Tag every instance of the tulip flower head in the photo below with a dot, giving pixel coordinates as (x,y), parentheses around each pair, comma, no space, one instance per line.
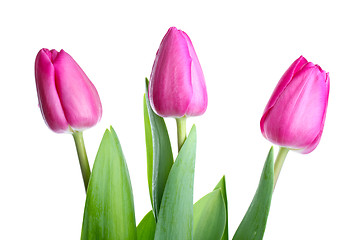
(67,98)
(295,114)
(177,87)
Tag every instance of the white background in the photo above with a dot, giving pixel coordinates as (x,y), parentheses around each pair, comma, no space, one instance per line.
(244,47)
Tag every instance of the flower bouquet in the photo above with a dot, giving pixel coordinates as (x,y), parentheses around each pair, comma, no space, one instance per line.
(293,119)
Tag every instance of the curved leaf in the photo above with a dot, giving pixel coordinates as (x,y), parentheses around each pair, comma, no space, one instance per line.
(222,185)
(109,210)
(149,144)
(254,222)
(147,227)
(209,217)
(175,220)
(159,153)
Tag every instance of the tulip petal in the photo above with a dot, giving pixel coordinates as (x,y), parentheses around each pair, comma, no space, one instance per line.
(79,98)
(315,142)
(297,117)
(281,86)
(170,89)
(49,101)
(199,101)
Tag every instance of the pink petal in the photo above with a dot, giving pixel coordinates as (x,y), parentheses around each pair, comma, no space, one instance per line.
(49,101)
(296,119)
(282,84)
(78,96)
(199,101)
(316,140)
(170,88)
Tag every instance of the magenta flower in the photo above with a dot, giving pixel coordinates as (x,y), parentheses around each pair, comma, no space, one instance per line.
(67,98)
(177,87)
(295,114)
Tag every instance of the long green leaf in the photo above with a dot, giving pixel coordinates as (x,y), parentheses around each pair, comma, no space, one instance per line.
(109,211)
(209,217)
(254,222)
(159,153)
(175,220)
(147,227)
(149,146)
(222,185)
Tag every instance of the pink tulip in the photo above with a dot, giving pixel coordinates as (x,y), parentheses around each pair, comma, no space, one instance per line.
(177,87)
(295,114)
(67,98)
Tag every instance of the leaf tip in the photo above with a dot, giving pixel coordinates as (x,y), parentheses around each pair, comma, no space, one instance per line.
(193,129)
(147,82)
(270,153)
(111,129)
(107,131)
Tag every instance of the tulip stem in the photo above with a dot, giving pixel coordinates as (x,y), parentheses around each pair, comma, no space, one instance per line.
(282,154)
(81,152)
(181,131)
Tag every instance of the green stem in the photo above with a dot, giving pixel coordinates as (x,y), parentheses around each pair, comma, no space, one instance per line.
(181,131)
(282,154)
(81,152)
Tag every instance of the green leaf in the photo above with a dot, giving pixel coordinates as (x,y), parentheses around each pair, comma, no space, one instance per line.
(209,217)
(147,227)
(254,222)
(149,145)
(109,210)
(159,153)
(222,185)
(175,220)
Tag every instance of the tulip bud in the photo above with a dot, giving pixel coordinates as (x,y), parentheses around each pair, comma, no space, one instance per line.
(295,114)
(177,87)
(67,98)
